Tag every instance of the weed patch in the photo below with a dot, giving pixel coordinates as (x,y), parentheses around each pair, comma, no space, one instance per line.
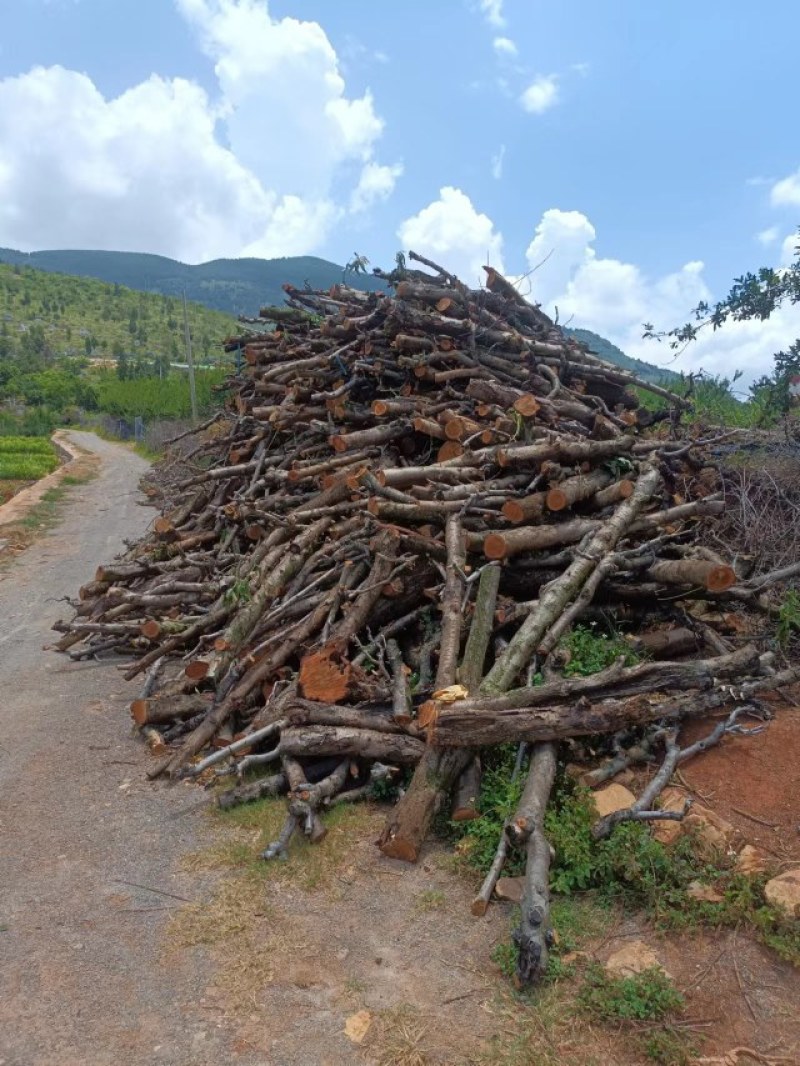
(644,997)
(638,871)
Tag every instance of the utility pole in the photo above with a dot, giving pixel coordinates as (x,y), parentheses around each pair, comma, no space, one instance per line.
(189,359)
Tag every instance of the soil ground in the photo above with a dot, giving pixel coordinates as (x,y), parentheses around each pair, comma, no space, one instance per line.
(134,927)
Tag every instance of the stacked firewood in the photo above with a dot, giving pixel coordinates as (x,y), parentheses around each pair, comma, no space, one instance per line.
(366,565)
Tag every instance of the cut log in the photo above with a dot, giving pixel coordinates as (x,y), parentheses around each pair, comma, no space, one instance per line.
(467,793)
(714,577)
(314,740)
(533,935)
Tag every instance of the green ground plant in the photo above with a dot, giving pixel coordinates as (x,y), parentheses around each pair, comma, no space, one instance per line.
(788,618)
(643,997)
(26,458)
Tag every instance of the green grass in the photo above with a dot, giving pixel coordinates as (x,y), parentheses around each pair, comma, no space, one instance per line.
(590,650)
(26,445)
(26,458)
(587,649)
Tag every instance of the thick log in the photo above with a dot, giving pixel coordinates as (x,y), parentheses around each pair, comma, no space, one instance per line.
(451,604)
(515,716)
(533,935)
(159,710)
(574,489)
(308,712)
(406,830)
(467,793)
(714,577)
(314,740)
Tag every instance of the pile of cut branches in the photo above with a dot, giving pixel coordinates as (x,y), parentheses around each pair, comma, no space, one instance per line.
(367,565)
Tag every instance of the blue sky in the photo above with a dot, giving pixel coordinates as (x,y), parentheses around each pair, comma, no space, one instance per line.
(648,149)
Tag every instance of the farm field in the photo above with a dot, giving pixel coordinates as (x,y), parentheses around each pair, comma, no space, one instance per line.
(23,460)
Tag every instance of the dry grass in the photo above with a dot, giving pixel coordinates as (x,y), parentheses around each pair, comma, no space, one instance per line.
(547,1030)
(397,1038)
(250,939)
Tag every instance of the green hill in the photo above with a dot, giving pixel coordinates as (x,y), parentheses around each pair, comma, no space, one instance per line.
(46,316)
(612,354)
(70,344)
(234,286)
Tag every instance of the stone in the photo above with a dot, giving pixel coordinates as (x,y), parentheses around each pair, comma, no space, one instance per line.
(783,892)
(751,861)
(704,893)
(357,1026)
(634,957)
(510,889)
(671,799)
(612,798)
(711,832)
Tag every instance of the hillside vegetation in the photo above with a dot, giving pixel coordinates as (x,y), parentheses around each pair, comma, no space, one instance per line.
(233,286)
(71,344)
(46,316)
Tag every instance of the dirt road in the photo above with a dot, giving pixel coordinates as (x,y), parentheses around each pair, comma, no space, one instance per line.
(81,980)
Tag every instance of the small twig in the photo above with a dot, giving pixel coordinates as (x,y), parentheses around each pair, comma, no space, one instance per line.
(157,891)
(742,989)
(755,818)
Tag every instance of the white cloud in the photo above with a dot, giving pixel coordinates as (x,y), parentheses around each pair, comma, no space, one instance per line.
(767,236)
(786,192)
(615,298)
(504,46)
(790,248)
(498,160)
(293,227)
(541,94)
(451,231)
(269,167)
(376,183)
(143,171)
(493,12)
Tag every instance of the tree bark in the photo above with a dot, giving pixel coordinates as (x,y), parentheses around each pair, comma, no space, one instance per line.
(533,936)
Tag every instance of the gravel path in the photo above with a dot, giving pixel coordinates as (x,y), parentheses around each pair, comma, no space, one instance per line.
(82,977)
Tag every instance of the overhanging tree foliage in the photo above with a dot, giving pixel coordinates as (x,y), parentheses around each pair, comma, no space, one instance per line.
(752,297)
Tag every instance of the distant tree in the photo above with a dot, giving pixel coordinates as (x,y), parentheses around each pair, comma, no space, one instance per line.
(7,349)
(123,366)
(161,366)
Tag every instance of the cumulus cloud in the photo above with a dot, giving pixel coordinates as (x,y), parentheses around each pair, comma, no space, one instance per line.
(451,231)
(143,171)
(493,12)
(790,248)
(615,298)
(767,236)
(541,94)
(786,192)
(267,166)
(504,46)
(376,183)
